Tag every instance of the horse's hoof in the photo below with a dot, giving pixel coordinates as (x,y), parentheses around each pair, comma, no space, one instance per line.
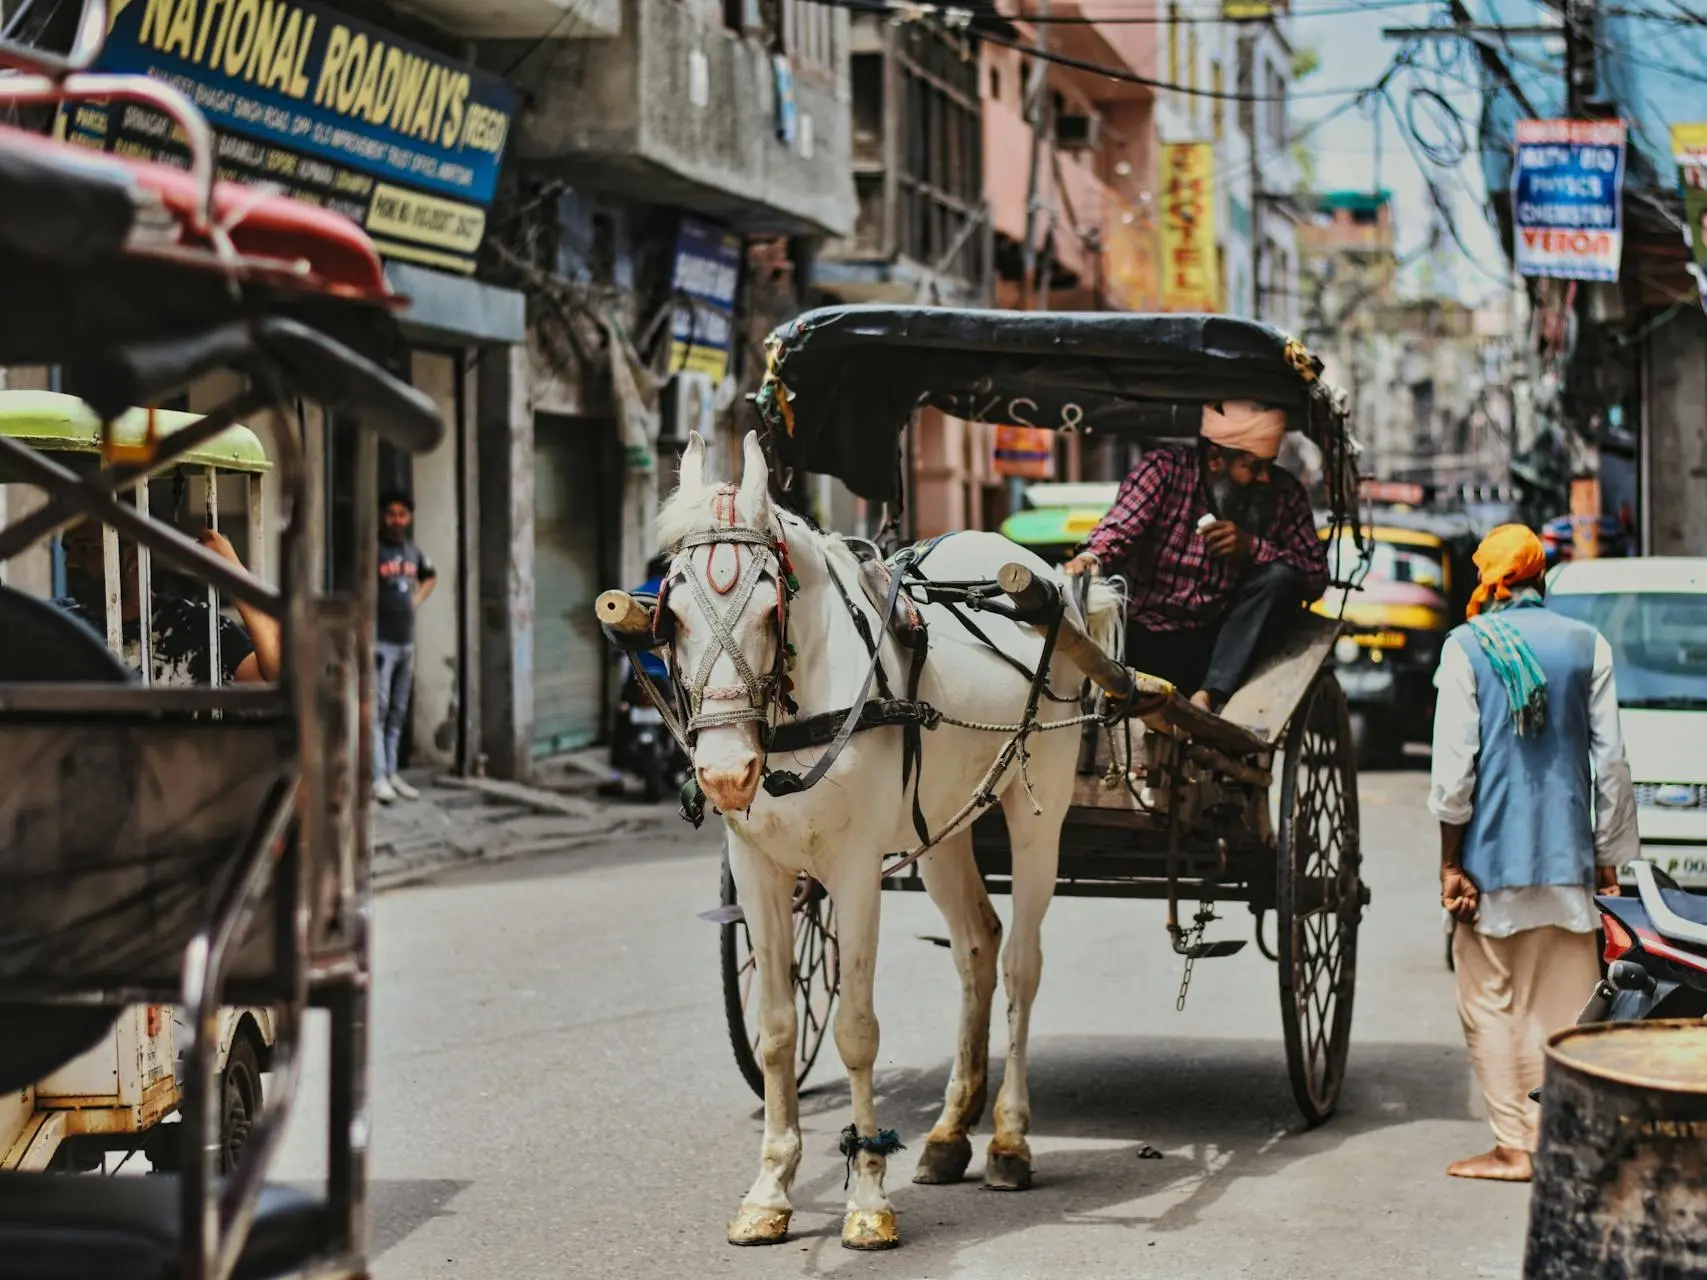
(1007,1171)
(870,1229)
(942,1163)
(759,1226)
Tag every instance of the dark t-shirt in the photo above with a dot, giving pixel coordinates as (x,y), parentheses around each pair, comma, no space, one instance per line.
(402,568)
(180,641)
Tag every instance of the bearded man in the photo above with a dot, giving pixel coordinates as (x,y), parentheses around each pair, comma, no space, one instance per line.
(1219,548)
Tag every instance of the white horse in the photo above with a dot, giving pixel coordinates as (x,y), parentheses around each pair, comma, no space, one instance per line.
(726,589)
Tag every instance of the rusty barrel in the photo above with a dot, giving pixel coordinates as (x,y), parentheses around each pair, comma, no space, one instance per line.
(1621,1175)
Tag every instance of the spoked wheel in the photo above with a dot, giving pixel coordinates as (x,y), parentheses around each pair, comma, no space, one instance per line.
(817,977)
(1320,896)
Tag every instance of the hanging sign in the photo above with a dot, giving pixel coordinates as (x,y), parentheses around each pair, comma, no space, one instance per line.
(1028,452)
(1190,279)
(707,271)
(1129,266)
(1567,202)
(305,101)
(1689,151)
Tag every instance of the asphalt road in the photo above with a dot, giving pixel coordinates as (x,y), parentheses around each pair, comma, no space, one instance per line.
(553,1092)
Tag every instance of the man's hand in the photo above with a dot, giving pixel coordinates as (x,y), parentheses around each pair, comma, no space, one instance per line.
(1084,562)
(220,545)
(1227,540)
(1606,882)
(1459,894)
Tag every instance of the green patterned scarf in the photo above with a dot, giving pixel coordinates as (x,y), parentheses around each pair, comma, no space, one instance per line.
(1525,683)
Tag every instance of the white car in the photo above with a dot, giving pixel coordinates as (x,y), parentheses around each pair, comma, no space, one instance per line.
(1653,611)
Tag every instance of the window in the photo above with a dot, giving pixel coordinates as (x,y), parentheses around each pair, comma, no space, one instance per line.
(1218,107)
(1658,639)
(995,84)
(809,33)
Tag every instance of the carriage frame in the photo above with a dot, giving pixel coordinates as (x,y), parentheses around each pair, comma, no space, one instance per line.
(1200,822)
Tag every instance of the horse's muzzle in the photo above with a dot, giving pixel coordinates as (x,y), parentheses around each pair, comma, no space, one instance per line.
(731,790)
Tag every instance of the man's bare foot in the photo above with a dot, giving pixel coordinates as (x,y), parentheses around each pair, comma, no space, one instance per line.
(1502,1164)
(1202,700)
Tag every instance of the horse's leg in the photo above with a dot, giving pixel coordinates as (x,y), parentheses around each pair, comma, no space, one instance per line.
(1036,843)
(766,895)
(975,932)
(854,886)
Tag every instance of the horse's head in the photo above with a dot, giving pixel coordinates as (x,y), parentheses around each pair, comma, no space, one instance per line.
(723,610)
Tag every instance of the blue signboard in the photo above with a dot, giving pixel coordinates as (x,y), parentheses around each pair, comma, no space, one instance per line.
(406,140)
(1567,198)
(707,273)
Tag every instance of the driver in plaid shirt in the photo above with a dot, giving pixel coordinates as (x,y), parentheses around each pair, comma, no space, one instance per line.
(1220,549)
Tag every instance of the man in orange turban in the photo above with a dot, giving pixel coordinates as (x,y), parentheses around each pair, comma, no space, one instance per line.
(1533,796)
(1219,548)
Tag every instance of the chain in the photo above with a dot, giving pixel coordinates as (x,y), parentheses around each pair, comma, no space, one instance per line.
(1201,921)
(1035,727)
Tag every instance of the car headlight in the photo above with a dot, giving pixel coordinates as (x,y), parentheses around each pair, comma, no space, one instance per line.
(1346,651)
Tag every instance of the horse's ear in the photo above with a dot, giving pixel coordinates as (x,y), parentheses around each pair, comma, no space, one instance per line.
(755,480)
(692,474)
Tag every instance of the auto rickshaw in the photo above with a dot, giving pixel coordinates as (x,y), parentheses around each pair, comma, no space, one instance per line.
(1059,517)
(1414,592)
(116,1098)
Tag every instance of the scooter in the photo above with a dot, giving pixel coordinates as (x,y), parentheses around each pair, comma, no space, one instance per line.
(1656,952)
(641,744)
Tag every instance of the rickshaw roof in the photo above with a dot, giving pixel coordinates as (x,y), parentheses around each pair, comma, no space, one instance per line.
(844,381)
(57,423)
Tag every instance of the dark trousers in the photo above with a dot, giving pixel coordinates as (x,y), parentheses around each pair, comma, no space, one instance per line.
(1217,657)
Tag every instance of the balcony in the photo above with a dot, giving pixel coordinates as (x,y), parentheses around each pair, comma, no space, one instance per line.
(678,110)
(521,19)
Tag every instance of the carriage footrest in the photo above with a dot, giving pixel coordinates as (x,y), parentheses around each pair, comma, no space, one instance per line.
(1213,950)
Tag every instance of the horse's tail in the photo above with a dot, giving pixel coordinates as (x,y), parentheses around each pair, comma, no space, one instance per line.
(1105,616)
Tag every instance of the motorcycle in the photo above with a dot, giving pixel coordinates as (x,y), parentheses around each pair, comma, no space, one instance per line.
(641,744)
(1655,955)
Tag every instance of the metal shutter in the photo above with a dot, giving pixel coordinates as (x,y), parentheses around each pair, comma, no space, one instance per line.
(568,649)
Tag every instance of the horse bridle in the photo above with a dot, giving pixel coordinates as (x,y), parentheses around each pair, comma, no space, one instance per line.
(769,557)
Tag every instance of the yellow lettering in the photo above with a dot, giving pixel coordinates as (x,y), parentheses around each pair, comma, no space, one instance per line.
(156,23)
(183,30)
(337,49)
(363,105)
(380,110)
(298,81)
(277,74)
(213,7)
(266,41)
(458,96)
(355,65)
(245,15)
(408,92)
(421,123)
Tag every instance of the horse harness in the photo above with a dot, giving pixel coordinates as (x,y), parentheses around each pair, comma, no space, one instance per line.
(736,584)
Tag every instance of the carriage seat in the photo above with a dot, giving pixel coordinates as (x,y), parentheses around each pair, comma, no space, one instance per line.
(56,1226)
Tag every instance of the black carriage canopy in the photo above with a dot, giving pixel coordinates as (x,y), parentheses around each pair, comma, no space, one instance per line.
(844,381)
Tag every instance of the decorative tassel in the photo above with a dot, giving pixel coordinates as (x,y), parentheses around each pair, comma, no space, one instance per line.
(885,1144)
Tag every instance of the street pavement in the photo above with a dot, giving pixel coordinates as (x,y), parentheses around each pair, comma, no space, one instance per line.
(553,1092)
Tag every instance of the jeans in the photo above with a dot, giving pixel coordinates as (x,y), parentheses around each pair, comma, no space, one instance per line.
(1217,657)
(394,682)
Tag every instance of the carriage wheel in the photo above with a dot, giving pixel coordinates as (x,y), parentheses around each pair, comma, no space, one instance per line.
(1320,896)
(817,977)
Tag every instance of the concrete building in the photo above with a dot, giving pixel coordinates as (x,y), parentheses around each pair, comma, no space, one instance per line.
(575,308)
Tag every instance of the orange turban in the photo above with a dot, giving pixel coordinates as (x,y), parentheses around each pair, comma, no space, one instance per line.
(1244,424)
(1510,554)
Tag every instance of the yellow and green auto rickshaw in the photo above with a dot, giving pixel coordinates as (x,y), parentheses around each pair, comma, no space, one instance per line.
(1058,517)
(1413,593)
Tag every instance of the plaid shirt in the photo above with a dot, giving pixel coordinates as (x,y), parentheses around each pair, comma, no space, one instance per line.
(1150,536)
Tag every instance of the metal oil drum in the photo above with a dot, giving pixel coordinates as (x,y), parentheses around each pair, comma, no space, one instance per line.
(1620,1187)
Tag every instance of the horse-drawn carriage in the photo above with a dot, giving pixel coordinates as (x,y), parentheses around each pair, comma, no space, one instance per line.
(1178,807)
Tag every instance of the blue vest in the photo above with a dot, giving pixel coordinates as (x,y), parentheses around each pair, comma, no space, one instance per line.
(1532,820)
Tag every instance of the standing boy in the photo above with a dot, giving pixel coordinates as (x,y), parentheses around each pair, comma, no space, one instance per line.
(406,579)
